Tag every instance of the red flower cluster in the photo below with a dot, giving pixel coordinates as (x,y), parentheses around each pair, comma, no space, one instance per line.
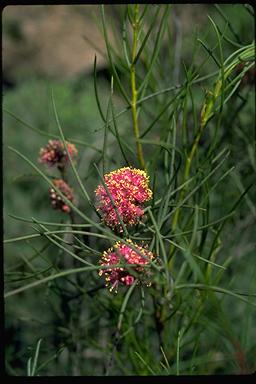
(54,153)
(121,253)
(56,200)
(129,189)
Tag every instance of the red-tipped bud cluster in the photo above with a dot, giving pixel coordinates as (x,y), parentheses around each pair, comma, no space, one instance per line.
(121,253)
(54,153)
(56,200)
(129,189)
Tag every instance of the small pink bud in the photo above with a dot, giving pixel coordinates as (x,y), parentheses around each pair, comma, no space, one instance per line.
(56,200)
(54,153)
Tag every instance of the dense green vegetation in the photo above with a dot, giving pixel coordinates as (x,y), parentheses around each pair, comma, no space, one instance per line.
(183,106)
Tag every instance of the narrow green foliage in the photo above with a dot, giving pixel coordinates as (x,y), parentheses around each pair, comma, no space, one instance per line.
(180,106)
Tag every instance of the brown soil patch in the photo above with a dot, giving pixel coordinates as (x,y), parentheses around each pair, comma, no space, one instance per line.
(48,39)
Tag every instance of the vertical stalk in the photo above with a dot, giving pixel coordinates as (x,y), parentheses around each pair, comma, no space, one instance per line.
(206,113)
(186,173)
(182,193)
(135,26)
(74,321)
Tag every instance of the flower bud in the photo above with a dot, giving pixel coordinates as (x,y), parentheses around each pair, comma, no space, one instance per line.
(54,153)
(56,200)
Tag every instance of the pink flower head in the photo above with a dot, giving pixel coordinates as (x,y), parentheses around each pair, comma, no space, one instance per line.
(129,190)
(54,153)
(56,200)
(121,253)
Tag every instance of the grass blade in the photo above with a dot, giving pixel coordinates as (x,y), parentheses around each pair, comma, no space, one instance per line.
(70,159)
(112,66)
(36,357)
(96,89)
(215,289)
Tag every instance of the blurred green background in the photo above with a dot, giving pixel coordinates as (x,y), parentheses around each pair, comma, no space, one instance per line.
(45,48)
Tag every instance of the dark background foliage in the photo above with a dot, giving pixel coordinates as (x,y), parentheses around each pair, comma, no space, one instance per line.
(53,47)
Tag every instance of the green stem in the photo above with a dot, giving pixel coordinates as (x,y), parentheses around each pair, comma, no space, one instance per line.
(135,26)
(186,173)
(206,113)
